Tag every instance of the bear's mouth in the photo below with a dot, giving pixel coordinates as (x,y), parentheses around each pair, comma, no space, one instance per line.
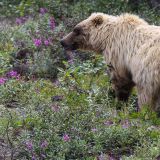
(74,46)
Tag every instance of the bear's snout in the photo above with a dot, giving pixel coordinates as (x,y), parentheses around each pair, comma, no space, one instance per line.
(69,44)
(66,45)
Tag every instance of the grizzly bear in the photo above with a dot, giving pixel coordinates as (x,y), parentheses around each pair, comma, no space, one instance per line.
(131,48)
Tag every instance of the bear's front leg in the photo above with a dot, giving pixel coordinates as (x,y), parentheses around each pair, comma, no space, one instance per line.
(122,88)
(150,99)
(157,106)
(122,84)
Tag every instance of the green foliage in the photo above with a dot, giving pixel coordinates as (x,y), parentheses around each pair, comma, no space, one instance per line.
(4,62)
(28,59)
(65,109)
(86,112)
(78,9)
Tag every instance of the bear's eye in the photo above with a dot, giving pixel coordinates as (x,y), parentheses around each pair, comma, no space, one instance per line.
(77,31)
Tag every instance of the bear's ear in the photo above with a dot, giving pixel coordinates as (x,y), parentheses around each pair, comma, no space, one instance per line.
(98,20)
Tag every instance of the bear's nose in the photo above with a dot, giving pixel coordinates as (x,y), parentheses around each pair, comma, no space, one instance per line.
(62,43)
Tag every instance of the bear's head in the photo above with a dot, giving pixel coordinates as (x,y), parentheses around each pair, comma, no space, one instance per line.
(88,34)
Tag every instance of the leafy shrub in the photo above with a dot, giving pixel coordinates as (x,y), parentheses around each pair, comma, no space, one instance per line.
(36,47)
(73,118)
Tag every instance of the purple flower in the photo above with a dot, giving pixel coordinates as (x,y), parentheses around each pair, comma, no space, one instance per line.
(71,61)
(66,138)
(12,74)
(94,130)
(46,42)
(50,39)
(18,77)
(37,42)
(108,123)
(43,11)
(44,144)
(24,19)
(18,21)
(52,23)
(101,157)
(125,123)
(55,108)
(29,145)
(56,82)
(33,157)
(2,80)
(21,20)
(111,157)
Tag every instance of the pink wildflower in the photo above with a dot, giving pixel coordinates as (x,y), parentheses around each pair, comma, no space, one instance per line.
(125,123)
(111,157)
(13,74)
(21,20)
(43,11)
(18,21)
(46,42)
(50,39)
(94,130)
(37,42)
(18,77)
(29,145)
(56,82)
(108,123)
(101,157)
(44,144)
(71,61)
(66,138)
(33,157)
(55,108)
(2,80)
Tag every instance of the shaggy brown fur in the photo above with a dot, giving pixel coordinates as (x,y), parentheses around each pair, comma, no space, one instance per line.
(130,45)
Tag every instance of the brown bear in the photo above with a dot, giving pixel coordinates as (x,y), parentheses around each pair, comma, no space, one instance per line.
(131,47)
